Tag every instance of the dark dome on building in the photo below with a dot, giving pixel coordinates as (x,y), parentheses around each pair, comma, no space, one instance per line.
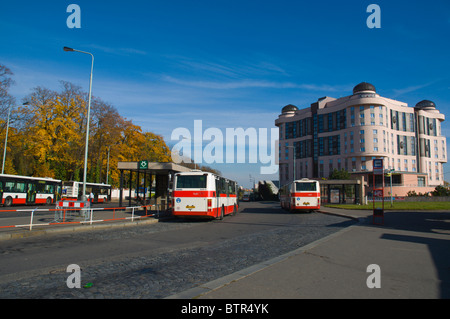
(426,104)
(364,86)
(289,108)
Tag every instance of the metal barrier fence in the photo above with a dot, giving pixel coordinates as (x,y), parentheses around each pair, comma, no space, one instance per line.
(66,215)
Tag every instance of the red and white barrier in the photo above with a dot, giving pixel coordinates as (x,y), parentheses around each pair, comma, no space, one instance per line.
(67,206)
(72,204)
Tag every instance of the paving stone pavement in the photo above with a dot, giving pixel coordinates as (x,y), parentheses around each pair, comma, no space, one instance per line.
(157,276)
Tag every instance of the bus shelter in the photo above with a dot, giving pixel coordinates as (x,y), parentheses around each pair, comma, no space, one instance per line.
(342,191)
(140,175)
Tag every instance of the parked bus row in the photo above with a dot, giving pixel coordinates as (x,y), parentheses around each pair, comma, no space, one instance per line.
(195,194)
(201,194)
(24,190)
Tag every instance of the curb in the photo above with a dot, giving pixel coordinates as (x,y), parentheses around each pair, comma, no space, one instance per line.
(341,215)
(77,228)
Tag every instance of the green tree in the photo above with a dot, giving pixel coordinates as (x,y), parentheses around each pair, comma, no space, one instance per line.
(441,191)
(339,174)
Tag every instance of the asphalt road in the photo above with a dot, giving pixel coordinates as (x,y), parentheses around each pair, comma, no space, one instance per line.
(158,260)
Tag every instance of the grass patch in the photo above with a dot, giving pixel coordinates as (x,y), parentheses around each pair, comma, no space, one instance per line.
(397,206)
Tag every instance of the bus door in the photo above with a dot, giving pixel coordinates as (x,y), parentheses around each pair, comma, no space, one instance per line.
(1,192)
(217,205)
(228,200)
(57,192)
(31,193)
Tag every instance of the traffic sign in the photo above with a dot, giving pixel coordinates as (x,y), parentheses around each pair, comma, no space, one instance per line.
(143,165)
(378,192)
(378,166)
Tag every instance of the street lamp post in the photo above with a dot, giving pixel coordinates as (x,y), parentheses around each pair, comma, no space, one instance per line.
(107,165)
(6,137)
(83,198)
(389,172)
(390,175)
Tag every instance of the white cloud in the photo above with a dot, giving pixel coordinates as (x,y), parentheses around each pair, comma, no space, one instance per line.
(118,51)
(212,67)
(248,83)
(409,89)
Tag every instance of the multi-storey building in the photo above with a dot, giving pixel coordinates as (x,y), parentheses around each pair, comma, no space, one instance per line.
(349,132)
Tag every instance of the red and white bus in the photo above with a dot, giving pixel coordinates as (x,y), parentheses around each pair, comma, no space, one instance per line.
(301,194)
(73,191)
(24,190)
(203,195)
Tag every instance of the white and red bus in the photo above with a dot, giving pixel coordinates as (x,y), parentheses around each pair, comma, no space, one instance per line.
(203,195)
(25,190)
(73,191)
(301,194)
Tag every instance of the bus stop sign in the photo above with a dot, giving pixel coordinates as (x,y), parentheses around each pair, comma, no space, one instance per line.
(143,165)
(378,192)
(378,166)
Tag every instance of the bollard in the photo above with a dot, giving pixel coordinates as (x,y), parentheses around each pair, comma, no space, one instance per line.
(31,221)
(378,213)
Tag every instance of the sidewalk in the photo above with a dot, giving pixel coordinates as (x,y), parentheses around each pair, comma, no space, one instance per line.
(411,250)
(74,222)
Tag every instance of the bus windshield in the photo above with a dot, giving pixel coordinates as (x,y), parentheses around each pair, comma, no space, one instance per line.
(306,187)
(191,181)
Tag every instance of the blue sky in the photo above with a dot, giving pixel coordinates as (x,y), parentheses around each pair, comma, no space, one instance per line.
(164,64)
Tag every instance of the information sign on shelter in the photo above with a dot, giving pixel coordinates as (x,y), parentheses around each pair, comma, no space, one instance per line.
(143,165)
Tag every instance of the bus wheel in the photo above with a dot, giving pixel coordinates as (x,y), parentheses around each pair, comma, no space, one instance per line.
(48,201)
(8,201)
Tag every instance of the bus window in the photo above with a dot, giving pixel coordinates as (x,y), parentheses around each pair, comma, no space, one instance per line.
(306,187)
(231,188)
(21,187)
(9,187)
(191,181)
(49,189)
(40,188)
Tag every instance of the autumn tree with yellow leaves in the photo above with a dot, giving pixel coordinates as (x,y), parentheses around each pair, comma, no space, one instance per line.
(47,135)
